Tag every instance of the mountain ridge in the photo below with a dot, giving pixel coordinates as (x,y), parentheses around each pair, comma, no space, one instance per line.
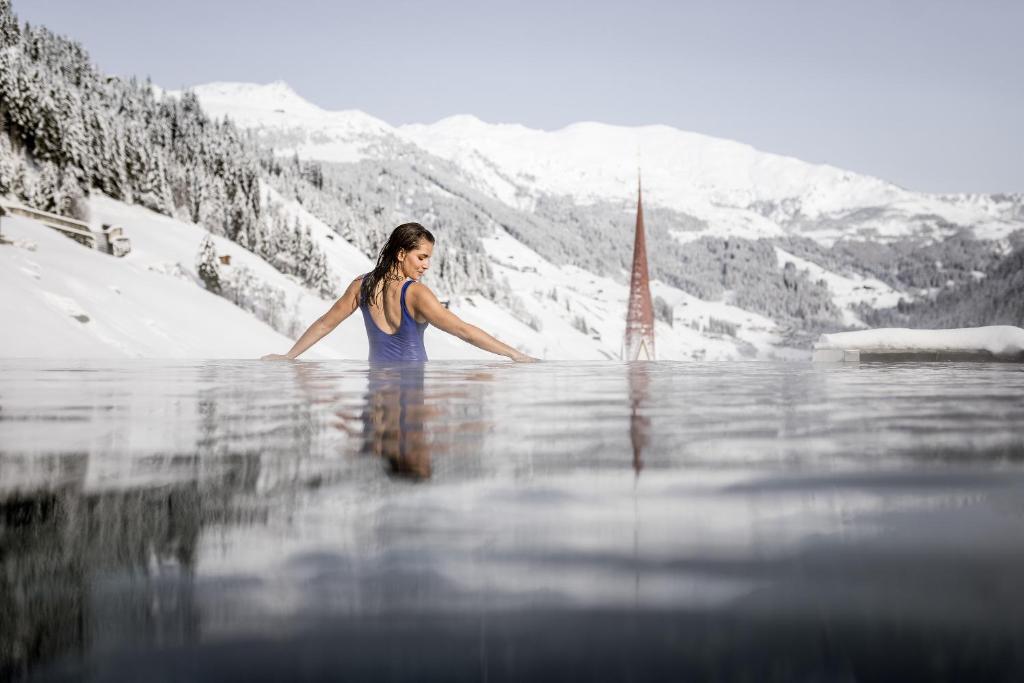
(734,187)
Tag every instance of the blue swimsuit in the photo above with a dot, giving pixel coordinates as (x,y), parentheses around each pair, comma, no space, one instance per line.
(405,344)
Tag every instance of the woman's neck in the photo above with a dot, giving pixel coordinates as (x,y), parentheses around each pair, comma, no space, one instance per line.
(392,275)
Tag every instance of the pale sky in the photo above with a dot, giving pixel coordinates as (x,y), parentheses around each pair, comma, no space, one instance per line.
(925,93)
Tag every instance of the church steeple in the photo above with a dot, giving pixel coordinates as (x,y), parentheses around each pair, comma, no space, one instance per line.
(639,338)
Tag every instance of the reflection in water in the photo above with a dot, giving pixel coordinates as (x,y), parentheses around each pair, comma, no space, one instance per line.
(92,571)
(638,422)
(224,520)
(394,418)
(98,548)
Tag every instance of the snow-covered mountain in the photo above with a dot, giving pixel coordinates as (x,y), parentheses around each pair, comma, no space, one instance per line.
(731,188)
(294,123)
(575,189)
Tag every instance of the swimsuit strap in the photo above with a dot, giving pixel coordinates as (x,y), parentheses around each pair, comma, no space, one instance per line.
(405,308)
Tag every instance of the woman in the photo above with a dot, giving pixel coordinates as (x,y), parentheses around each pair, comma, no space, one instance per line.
(396,307)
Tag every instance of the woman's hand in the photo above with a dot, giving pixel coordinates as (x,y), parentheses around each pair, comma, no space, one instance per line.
(274,356)
(523,358)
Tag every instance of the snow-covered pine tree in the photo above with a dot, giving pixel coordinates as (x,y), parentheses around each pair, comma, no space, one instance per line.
(10,33)
(319,275)
(207,266)
(146,171)
(239,218)
(106,137)
(194,193)
(213,207)
(304,251)
(663,311)
(11,166)
(67,200)
(45,192)
(70,135)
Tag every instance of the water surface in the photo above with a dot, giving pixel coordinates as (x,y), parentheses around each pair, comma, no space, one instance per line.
(492,521)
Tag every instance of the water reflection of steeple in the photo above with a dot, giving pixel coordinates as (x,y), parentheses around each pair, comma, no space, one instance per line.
(639,427)
(639,424)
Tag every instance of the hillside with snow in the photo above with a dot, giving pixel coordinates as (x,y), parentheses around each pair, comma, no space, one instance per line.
(65,300)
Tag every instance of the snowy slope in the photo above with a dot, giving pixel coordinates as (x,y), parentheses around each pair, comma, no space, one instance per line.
(558,296)
(62,300)
(345,260)
(847,290)
(599,301)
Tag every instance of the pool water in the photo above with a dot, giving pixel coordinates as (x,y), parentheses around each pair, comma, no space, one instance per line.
(492,521)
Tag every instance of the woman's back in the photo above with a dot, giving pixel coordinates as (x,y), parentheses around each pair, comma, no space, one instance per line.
(392,332)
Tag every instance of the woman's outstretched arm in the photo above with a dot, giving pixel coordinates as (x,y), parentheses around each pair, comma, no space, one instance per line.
(423,302)
(342,308)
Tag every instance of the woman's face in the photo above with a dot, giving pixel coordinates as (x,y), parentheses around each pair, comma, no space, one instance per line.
(414,263)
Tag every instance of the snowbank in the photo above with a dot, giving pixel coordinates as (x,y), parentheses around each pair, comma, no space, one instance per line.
(1002,341)
(62,300)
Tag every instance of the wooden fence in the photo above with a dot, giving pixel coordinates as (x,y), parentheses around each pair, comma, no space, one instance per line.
(110,240)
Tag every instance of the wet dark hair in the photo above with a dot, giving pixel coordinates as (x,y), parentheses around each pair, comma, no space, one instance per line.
(406,237)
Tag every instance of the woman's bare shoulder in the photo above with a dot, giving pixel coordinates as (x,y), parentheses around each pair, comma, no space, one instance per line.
(419,290)
(353,287)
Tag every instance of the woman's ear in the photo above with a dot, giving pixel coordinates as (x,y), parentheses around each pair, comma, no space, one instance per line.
(401,255)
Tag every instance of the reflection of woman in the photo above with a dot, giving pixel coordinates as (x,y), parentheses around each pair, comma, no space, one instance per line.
(394,419)
(392,422)
(397,307)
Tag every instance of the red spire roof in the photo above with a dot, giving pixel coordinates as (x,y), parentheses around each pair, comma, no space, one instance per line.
(639,339)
